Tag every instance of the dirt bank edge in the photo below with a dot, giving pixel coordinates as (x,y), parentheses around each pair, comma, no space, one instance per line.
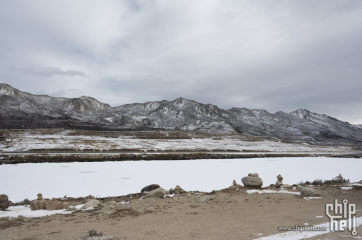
(59,158)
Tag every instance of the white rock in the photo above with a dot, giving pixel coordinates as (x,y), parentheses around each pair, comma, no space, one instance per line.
(91,203)
(159,192)
(252,181)
(307,192)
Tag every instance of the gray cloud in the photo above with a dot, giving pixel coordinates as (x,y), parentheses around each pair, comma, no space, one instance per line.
(66,93)
(50,71)
(278,56)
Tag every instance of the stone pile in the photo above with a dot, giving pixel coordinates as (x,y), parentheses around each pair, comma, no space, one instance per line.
(178,190)
(42,204)
(279,181)
(94,235)
(252,180)
(40,196)
(39,203)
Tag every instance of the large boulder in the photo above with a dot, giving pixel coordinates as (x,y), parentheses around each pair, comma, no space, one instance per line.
(4,201)
(38,205)
(55,205)
(149,188)
(159,192)
(252,180)
(91,203)
(307,192)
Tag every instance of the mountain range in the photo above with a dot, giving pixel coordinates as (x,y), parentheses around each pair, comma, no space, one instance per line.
(21,110)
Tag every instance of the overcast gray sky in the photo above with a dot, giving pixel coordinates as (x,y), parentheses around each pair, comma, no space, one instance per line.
(274,55)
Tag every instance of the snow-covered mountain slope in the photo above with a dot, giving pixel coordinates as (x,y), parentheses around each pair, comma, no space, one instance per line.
(24,110)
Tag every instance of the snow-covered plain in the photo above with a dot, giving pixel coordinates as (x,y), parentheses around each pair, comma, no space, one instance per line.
(103,179)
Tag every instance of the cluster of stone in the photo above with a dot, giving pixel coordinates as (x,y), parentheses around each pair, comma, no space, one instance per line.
(154,190)
(279,181)
(252,180)
(93,234)
(178,190)
(43,204)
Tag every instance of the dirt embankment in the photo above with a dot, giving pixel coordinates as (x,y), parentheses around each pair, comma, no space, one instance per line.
(42,158)
(224,214)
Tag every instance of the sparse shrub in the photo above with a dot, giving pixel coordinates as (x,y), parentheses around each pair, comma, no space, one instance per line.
(301,183)
(320,182)
(317,182)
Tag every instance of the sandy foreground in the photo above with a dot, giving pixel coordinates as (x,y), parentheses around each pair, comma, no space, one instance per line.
(224,214)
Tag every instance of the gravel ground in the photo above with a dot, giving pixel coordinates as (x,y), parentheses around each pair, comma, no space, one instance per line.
(224,214)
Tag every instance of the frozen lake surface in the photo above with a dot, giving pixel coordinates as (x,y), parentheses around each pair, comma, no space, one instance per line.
(103,179)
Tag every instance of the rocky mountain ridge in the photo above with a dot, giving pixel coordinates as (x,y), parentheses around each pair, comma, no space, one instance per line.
(24,110)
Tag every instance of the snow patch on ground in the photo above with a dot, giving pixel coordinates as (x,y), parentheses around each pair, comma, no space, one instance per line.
(25,211)
(109,119)
(270,191)
(309,198)
(170,195)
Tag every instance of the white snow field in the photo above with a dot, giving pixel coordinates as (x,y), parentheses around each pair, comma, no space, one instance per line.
(103,179)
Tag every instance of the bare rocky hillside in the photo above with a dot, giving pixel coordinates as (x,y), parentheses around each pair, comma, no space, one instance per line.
(21,110)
